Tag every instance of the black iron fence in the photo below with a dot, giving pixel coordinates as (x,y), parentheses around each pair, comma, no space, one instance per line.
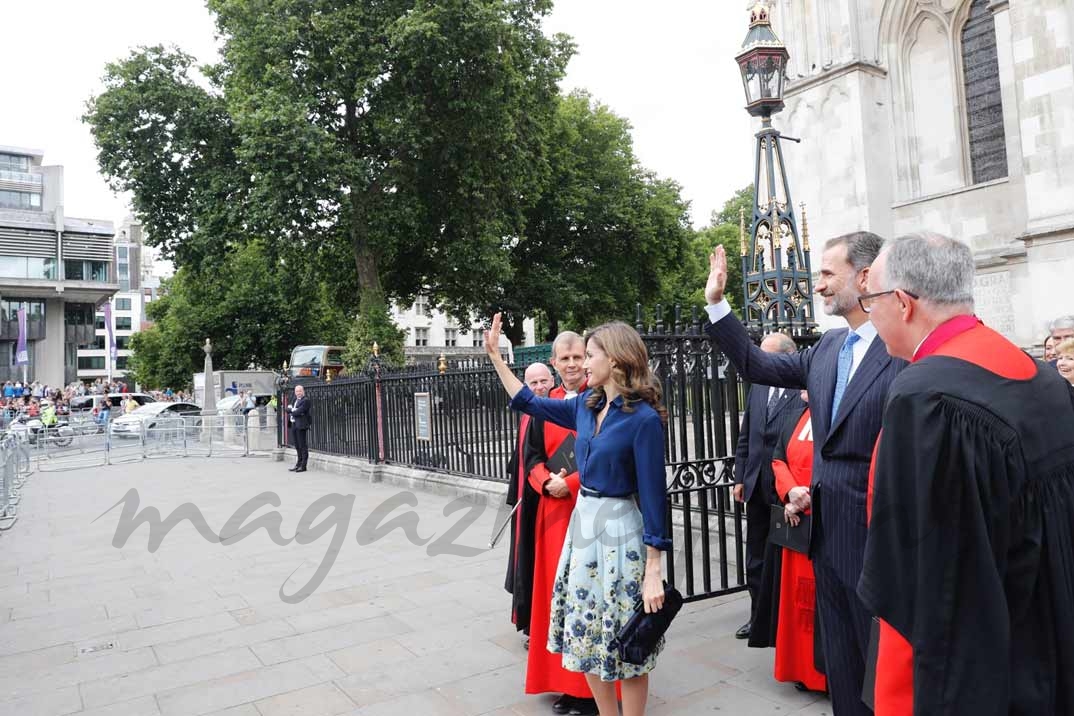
(458,421)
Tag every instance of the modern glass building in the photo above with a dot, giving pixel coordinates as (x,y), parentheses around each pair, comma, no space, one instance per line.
(59,268)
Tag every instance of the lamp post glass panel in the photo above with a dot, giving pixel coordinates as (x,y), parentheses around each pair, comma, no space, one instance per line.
(776,270)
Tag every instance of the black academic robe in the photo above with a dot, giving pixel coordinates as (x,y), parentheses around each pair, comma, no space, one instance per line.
(519,580)
(970,555)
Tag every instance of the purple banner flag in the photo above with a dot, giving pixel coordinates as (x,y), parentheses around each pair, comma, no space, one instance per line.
(111,331)
(22,356)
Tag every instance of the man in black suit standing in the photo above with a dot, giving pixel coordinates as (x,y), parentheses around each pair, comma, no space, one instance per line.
(754,479)
(847,374)
(300,427)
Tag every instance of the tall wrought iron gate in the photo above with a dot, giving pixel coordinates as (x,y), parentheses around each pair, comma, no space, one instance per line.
(702,394)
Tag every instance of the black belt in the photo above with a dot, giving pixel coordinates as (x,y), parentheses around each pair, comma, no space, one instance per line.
(586,492)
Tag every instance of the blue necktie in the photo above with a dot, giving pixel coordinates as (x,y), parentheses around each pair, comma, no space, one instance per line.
(842,377)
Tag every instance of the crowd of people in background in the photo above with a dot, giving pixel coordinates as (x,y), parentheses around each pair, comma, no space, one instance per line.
(35,399)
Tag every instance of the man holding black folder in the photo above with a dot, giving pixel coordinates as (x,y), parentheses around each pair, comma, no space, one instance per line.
(552,472)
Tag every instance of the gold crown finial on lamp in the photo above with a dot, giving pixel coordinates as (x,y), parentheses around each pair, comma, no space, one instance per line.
(742,230)
(376,349)
(441,364)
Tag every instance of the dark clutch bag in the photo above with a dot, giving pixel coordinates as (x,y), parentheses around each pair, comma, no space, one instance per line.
(781,533)
(639,637)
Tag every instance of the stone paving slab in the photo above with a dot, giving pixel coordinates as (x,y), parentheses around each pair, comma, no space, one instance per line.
(198,627)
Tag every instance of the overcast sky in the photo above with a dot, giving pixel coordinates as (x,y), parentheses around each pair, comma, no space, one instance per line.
(666,66)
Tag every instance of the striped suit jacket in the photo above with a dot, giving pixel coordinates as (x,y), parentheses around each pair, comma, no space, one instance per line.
(843,446)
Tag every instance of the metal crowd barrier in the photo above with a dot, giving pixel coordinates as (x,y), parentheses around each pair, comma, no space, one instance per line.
(15,469)
(88,444)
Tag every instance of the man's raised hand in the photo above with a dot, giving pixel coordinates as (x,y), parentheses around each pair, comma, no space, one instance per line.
(717,282)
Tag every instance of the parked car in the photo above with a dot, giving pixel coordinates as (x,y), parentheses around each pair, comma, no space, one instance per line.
(92,403)
(156,415)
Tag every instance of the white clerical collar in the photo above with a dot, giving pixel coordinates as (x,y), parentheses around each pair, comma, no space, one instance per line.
(570,393)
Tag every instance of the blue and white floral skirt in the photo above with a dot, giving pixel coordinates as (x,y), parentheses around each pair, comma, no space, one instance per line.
(598,583)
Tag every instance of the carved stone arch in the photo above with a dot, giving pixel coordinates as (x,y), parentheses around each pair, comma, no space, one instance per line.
(976,142)
(929,154)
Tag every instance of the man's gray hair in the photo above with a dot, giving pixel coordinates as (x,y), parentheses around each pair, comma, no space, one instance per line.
(1063,322)
(783,342)
(565,338)
(934,267)
(862,247)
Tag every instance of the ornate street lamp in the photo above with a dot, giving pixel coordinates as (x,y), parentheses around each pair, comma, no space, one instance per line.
(776,274)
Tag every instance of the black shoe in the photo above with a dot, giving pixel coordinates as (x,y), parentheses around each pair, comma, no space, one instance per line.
(292,469)
(800,686)
(563,704)
(743,632)
(584,707)
(300,469)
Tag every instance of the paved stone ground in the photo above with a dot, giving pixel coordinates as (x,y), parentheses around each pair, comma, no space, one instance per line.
(199,628)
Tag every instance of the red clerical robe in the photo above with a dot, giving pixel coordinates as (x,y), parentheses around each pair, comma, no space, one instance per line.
(968,564)
(544,670)
(792,464)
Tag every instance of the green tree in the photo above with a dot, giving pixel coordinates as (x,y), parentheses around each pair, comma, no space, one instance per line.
(169,142)
(254,308)
(407,136)
(411,131)
(606,233)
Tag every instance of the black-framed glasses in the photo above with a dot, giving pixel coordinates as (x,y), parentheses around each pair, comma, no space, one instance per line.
(865,300)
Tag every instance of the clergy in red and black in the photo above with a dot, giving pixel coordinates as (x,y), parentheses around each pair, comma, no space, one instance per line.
(969,562)
(519,581)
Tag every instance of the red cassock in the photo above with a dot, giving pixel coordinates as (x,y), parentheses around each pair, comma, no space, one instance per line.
(797,600)
(544,670)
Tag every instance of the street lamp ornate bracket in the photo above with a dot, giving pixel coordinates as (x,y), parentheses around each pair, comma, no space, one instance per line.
(777,275)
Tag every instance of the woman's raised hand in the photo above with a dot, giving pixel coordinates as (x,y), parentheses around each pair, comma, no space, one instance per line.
(492,338)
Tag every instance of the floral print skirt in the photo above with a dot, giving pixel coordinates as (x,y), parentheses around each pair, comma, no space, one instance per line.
(598,583)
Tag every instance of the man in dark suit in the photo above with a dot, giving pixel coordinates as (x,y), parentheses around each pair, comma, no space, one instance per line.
(301,420)
(847,374)
(754,479)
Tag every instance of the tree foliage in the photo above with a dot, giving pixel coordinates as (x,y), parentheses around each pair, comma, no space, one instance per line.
(605,234)
(341,155)
(253,307)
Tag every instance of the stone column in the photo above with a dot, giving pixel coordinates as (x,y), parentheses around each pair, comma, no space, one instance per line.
(49,353)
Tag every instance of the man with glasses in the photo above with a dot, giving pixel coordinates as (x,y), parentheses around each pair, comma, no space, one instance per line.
(969,561)
(847,374)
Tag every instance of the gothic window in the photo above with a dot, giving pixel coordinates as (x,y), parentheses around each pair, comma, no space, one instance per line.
(984,107)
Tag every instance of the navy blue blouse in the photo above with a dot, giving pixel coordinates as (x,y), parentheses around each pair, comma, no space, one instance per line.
(627,456)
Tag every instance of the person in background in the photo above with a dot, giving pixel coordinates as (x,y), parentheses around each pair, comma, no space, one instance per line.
(1065,359)
(756,487)
(301,420)
(104,414)
(796,642)
(519,579)
(1049,350)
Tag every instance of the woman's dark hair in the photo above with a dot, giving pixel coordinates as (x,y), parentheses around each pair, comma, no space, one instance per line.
(631,373)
